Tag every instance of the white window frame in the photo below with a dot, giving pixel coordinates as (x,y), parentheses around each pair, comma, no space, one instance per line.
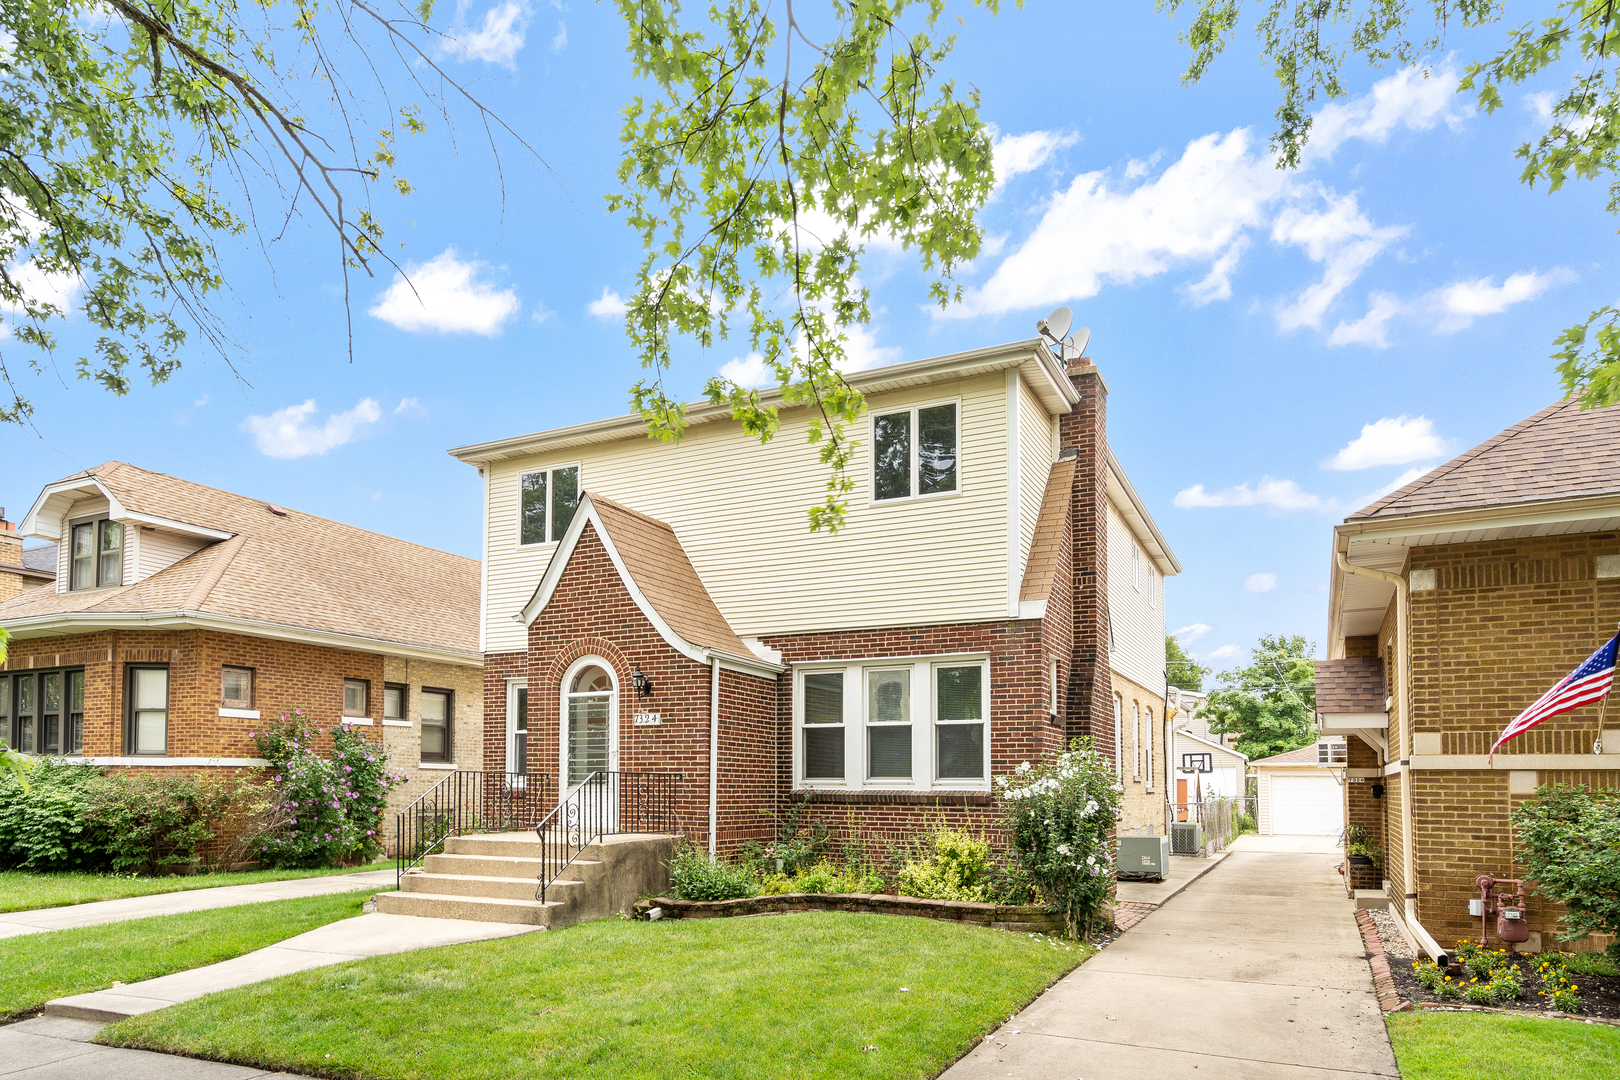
(1136,740)
(512,688)
(1053,698)
(1136,565)
(1152,600)
(924,710)
(550,487)
(563,697)
(1149,773)
(1119,735)
(871,441)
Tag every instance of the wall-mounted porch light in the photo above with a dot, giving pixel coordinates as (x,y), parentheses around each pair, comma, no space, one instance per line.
(643,685)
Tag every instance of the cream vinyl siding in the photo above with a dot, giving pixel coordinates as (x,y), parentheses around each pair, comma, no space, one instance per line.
(1138,625)
(1035,457)
(155,550)
(739,510)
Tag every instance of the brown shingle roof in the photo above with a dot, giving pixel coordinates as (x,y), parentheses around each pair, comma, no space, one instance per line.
(658,565)
(1561,452)
(1046,548)
(296,571)
(1354,685)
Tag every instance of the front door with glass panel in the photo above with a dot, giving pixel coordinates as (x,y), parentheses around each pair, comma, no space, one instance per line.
(590,744)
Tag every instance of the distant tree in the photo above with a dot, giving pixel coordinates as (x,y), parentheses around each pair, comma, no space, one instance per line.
(1184,671)
(1271,704)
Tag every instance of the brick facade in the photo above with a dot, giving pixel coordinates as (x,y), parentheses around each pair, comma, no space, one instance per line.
(1084,429)
(1143,801)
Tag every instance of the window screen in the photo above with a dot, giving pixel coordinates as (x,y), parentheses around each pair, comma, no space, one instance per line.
(236,688)
(888,733)
(532,516)
(959,722)
(824,725)
(356,697)
(435,725)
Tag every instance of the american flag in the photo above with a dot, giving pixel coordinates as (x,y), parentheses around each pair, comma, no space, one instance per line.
(1588,683)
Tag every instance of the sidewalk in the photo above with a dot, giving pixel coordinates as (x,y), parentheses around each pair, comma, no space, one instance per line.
(1256,971)
(47,1048)
(13,923)
(347,939)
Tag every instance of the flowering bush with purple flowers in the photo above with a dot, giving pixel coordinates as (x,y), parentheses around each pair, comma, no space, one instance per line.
(1060,815)
(328,811)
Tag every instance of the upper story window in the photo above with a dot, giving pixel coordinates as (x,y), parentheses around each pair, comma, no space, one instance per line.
(97,553)
(914,724)
(1152,581)
(1136,566)
(236,688)
(549,499)
(914,452)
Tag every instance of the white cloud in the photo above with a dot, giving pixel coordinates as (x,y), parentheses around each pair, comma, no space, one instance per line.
(496,40)
(1192,632)
(443,296)
(607,307)
(41,287)
(1541,103)
(1225,652)
(410,404)
(1459,304)
(1340,237)
(541,313)
(1392,440)
(559,41)
(749,371)
(288,433)
(200,402)
(376,495)
(1406,99)
(861,351)
(1260,582)
(1014,155)
(1370,329)
(1277,494)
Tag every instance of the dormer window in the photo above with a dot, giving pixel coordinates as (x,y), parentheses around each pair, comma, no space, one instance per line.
(97,554)
(548,497)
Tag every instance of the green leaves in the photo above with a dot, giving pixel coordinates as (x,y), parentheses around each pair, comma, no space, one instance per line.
(1569,843)
(1271,704)
(754,173)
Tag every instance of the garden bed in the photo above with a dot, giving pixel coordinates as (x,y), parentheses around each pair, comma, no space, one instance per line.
(1600,994)
(1026,918)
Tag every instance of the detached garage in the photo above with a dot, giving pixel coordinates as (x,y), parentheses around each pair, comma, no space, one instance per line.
(1297,796)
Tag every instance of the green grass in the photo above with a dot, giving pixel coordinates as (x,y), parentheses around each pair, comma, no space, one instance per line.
(1587,963)
(22,891)
(39,967)
(1467,1046)
(788,996)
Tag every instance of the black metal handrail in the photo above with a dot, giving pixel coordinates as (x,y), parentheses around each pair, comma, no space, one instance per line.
(467,801)
(605,804)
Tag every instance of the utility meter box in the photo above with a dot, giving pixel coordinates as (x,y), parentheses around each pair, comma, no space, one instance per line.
(1144,857)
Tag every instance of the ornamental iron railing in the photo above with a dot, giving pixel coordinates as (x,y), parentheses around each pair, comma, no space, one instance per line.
(604,804)
(467,801)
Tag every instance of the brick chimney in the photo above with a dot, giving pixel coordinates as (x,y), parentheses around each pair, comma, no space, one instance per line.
(1090,705)
(11,545)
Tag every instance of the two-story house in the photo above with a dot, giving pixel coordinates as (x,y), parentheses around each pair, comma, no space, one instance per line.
(182,617)
(1454,603)
(652,607)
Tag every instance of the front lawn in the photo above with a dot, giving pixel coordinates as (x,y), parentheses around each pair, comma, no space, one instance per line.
(1467,1045)
(39,967)
(808,995)
(22,891)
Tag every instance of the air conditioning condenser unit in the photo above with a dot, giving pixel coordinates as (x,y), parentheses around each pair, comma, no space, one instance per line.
(1186,838)
(1143,857)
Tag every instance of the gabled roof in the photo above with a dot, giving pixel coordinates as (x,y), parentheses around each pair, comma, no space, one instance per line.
(1182,733)
(660,578)
(278,573)
(1354,685)
(1561,452)
(1305,755)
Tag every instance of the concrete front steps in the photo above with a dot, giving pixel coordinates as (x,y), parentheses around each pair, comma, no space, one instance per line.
(492,877)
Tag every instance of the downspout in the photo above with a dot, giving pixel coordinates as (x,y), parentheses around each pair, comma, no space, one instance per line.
(714,749)
(1403,653)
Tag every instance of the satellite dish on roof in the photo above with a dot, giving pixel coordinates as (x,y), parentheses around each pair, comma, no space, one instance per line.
(1074,346)
(1056,325)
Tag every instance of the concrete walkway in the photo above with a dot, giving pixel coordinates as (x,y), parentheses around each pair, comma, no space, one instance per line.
(48,1048)
(1255,971)
(13,923)
(1184,870)
(347,939)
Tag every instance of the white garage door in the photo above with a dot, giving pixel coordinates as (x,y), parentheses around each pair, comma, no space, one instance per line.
(1306,806)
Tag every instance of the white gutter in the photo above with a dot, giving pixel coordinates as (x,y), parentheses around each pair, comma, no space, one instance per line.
(1403,665)
(714,748)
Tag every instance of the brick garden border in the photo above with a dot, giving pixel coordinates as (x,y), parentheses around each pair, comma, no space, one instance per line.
(1389,998)
(996,916)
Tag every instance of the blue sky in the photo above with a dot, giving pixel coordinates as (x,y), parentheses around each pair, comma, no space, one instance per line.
(1279,346)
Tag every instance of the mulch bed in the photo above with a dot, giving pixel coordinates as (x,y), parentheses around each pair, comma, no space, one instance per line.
(1600,994)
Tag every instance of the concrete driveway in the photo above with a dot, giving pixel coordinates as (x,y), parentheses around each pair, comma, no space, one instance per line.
(1254,971)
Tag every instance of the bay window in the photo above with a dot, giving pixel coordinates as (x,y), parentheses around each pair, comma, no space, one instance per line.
(547,497)
(42,712)
(914,452)
(918,723)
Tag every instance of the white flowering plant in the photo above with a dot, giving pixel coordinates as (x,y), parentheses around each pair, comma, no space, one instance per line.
(1061,815)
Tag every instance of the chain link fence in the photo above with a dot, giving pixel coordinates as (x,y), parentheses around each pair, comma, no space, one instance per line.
(1203,828)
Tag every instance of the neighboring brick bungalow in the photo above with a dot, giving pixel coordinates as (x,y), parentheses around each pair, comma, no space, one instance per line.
(997,590)
(182,617)
(22,569)
(1455,602)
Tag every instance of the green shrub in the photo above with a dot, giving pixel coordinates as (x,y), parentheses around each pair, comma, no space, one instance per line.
(1570,840)
(694,876)
(45,826)
(1481,962)
(953,866)
(1246,823)
(1060,815)
(156,823)
(823,877)
(1480,993)
(1586,963)
(1428,974)
(1505,981)
(325,812)
(1447,989)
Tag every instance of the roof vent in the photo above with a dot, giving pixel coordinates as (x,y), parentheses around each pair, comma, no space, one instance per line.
(279,511)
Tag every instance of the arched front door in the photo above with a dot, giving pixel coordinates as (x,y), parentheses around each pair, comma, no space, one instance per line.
(590,736)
